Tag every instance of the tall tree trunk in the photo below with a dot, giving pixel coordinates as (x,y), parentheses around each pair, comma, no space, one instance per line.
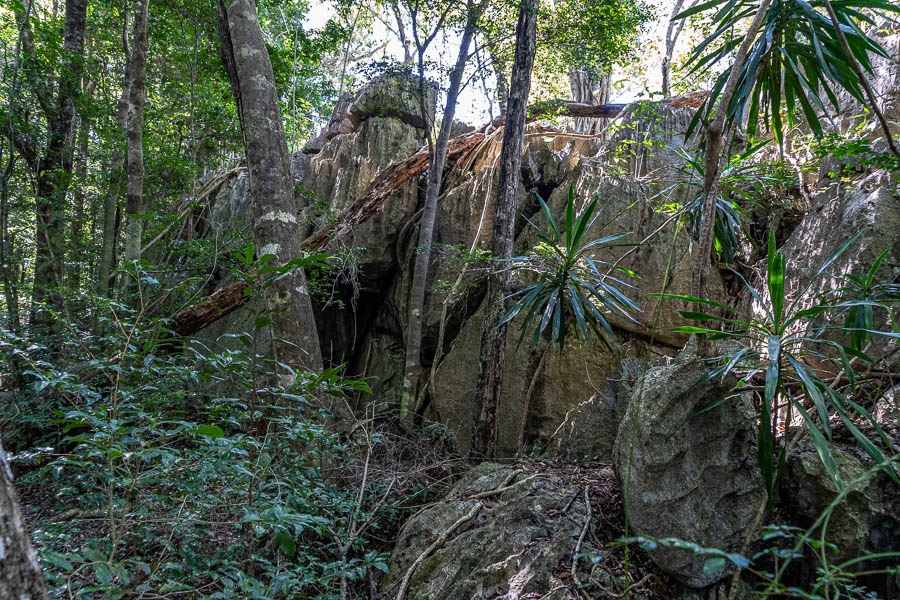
(7,251)
(110,226)
(21,577)
(672,33)
(712,161)
(135,84)
(426,225)
(275,212)
(76,244)
(55,172)
(493,335)
(590,86)
(502,81)
(111,208)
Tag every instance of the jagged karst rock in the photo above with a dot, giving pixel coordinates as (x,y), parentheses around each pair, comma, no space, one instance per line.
(690,478)
(515,547)
(867,206)
(394,95)
(379,255)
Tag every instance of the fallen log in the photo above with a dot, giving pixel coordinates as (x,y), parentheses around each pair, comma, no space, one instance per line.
(225,300)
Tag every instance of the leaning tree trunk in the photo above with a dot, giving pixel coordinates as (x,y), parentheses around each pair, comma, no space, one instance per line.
(493,335)
(275,211)
(55,173)
(673,31)
(135,85)
(20,574)
(426,225)
(714,137)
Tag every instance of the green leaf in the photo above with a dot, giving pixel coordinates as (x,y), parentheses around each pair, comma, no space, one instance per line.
(286,542)
(713,565)
(211,431)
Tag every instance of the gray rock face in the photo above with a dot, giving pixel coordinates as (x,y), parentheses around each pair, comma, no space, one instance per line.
(867,520)
(627,169)
(690,478)
(394,95)
(518,546)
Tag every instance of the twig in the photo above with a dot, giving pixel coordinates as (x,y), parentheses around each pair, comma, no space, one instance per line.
(401,594)
(500,490)
(587,521)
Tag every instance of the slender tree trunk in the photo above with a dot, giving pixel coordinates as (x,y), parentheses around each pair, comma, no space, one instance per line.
(110,228)
(21,577)
(76,244)
(135,84)
(863,80)
(401,33)
(714,138)
(502,81)
(426,225)
(55,172)
(493,335)
(7,251)
(590,86)
(672,33)
(111,208)
(275,212)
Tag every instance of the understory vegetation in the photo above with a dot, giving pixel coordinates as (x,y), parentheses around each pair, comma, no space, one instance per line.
(265,296)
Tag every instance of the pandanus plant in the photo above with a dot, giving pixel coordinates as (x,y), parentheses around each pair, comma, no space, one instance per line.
(570,290)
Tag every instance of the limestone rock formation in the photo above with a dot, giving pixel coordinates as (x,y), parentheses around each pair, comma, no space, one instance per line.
(362,318)
(690,477)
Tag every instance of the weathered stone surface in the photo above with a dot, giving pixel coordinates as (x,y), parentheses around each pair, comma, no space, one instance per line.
(690,478)
(867,206)
(589,430)
(393,95)
(516,546)
(569,391)
(379,254)
(866,520)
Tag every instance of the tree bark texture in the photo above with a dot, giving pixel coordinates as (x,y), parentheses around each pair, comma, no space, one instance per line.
(54,171)
(493,335)
(134,91)
(275,212)
(21,577)
(79,208)
(426,225)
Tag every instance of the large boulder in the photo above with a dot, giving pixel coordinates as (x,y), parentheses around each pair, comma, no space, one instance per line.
(687,476)
(519,544)
(394,95)
(866,520)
